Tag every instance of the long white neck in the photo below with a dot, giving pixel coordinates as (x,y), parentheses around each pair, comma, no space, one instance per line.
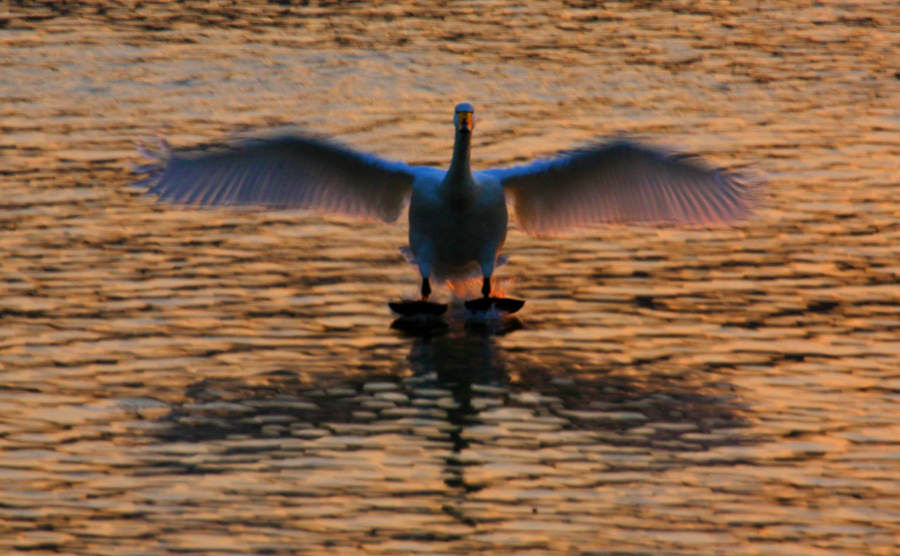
(459,184)
(462,148)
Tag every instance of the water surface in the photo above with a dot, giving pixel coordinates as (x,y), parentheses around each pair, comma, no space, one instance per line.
(213,382)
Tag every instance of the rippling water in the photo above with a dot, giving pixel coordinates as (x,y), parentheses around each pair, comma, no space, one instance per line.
(212,382)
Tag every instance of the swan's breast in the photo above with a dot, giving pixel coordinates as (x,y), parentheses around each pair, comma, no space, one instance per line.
(455,234)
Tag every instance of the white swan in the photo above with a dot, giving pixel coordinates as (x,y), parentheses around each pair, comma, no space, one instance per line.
(457,218)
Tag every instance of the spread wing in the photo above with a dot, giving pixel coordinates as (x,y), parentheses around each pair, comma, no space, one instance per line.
(287,171)
(618,183)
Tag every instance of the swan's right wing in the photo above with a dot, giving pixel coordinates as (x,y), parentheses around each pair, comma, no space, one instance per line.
(287,171)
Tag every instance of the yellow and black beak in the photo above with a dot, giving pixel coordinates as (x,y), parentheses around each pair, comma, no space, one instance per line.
(465,121)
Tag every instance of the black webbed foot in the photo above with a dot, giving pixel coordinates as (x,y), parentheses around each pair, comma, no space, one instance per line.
(414,308)
(506,305)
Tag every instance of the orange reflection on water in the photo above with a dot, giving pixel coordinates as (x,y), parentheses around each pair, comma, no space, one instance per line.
(470,288)
(221,382)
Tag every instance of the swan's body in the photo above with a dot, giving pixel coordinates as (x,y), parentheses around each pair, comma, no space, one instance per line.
(476,223)
(457,218)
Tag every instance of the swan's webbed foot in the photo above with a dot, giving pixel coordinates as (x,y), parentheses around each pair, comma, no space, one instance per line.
(421,308)
(487,303)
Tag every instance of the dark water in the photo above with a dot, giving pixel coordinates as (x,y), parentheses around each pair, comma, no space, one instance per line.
(229,383)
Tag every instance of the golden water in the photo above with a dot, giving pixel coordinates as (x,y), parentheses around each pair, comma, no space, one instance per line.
(212,382)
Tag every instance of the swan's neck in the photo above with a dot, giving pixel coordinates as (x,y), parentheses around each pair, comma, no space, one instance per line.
(459,182)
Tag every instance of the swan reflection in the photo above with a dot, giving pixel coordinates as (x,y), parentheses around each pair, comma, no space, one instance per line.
(462,413)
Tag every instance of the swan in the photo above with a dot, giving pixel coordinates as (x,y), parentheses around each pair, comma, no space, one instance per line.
(457,218)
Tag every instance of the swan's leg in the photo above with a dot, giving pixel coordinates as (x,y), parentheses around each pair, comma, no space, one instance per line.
(505,305)
(424,259)
(424,272)
(487,270)
(426,288)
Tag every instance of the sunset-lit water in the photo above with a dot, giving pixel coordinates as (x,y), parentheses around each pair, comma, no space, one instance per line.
(215,382)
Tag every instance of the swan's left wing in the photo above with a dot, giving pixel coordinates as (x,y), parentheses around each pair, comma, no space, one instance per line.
(285,171)
(618,183)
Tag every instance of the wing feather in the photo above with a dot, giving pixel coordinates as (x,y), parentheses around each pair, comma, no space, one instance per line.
(287,171)
(619,183)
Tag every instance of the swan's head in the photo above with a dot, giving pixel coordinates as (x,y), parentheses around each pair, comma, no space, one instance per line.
(464,117)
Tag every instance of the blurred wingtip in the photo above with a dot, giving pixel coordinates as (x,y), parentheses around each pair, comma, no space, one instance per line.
(750,188)
(159,158)
(163,144)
